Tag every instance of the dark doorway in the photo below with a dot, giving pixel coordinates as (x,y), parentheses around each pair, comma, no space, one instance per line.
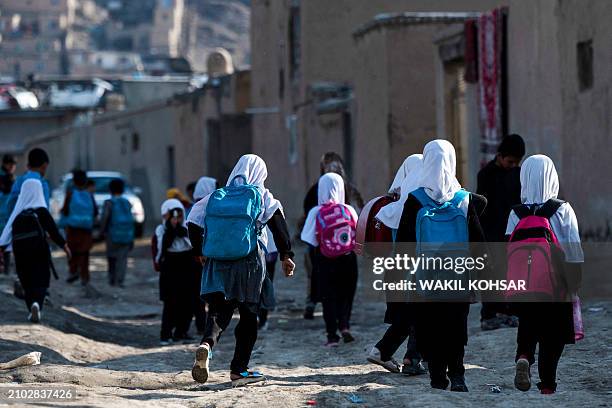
(229,138)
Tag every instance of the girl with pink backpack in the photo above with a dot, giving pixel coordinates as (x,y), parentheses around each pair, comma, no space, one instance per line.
(330,228)
(539,228)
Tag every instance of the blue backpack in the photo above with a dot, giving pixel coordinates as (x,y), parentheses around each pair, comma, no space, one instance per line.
(81,210)
(441,233)
(121,228)
(231,228)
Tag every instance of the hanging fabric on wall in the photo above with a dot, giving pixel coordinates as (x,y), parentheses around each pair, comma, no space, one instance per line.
(490,62)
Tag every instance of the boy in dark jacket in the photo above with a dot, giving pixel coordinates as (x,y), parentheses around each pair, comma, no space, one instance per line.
(499,181)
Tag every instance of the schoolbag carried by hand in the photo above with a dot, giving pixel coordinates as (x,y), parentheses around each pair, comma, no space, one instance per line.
(369,229)
(532,252)
(80,210)
(121,228)
(442,232)
(335,229)
(231,226)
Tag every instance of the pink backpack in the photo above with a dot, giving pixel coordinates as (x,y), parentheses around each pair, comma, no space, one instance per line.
(335,230)
(532,252)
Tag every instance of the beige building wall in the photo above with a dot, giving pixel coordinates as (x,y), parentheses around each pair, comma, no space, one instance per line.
(136,143)
(157,145)
(548,108)
(328,53)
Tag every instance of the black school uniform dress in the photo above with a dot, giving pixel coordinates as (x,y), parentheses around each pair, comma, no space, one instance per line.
(176,281)
(441,328)
(33,263)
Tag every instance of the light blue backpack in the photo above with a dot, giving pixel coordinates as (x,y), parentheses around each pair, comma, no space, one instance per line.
(121,228)
(81,210)
(231,227)
(441,232)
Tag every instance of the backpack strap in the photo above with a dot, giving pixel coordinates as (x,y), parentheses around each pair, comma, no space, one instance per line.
(422,196)
(459,197)
(549,208)
(522,211)
(43,235)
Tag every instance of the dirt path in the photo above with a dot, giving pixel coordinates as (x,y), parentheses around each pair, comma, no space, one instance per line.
(107,348)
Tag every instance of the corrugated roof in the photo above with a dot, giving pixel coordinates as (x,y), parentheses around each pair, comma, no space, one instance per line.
(407,18)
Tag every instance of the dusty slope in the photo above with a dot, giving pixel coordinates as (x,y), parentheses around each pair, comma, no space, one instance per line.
(107,348)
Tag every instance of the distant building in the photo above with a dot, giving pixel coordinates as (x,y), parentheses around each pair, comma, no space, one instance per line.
(166,31)
(105,62)
(38,36)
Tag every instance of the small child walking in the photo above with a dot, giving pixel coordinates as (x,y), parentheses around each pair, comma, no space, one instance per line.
(118,226)
(26,231)
(173,260)
(548,323)
(399,315)
(79,212)
(330,228)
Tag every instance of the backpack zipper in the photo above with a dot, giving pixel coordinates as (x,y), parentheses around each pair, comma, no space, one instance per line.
(529,258)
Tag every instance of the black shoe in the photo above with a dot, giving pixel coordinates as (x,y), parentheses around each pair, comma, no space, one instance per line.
(416,367)
(439,385)
(72,278)
(347,337)
(309,313)
(458,384)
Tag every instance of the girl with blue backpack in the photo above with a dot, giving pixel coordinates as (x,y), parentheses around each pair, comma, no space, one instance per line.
(330,229)
(544,249)
(78,215)
(226,231)
(117,225)
(399,315)
(440,212)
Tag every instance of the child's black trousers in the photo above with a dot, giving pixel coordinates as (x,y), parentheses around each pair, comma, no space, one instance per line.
(219,316)
(337,285)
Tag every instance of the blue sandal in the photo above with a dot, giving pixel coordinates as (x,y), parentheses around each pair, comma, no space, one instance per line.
(248,377)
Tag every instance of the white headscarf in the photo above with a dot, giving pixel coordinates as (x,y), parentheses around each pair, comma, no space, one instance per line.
(409,175)
(439,169)
(30,196)
(171,204)
(539,180)
(180,244)
(254,170)
(204,187)
(540,183)
(331,189)
(406,168)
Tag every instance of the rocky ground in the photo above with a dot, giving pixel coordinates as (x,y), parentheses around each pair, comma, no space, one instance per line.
(106,345)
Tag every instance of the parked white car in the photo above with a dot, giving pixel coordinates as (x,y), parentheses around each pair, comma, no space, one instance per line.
(101,180)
